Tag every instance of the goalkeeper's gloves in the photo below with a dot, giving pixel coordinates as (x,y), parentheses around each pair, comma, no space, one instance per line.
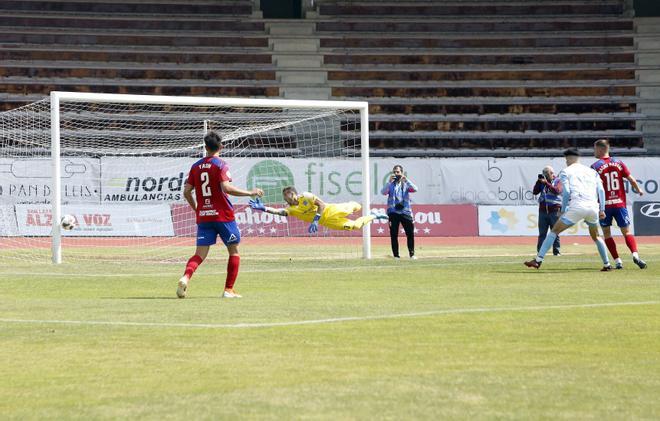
(315,224)
(256,204)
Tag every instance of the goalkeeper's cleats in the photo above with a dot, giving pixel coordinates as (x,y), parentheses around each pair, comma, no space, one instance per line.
(607,268)
(230,293)
(618,265)
(639,262)
(183,287)
(533,264)
(379,215)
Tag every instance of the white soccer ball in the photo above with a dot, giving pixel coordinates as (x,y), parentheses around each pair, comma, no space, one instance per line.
(68,222)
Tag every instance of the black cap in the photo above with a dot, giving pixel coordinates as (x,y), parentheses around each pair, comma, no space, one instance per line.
(571,152)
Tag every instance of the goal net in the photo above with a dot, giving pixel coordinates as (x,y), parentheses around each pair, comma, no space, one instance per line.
(118,164)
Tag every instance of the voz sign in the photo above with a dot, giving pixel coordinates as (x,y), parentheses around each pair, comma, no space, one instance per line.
(647,218)
(98,220)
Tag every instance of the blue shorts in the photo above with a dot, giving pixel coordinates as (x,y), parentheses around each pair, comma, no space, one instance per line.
(207,233)
(620,215)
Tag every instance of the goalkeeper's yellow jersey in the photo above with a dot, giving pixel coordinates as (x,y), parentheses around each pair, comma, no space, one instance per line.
(305,209)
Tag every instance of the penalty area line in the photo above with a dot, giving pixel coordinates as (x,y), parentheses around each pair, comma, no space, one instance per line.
(331,320)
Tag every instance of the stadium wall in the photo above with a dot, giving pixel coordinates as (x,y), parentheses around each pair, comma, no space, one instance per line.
(457,197)
(444,181)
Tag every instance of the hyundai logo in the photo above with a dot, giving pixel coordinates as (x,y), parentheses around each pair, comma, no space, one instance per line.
(652,210)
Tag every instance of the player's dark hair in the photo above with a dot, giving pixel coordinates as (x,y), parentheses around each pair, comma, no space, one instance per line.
(571,152)
(212,141)
(398,166)
(602,143)
(289,188)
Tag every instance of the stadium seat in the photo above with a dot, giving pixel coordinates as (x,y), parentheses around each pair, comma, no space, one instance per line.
(490,76)
(160,47)
(482,75)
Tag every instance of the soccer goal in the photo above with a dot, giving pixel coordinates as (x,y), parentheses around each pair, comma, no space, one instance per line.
(118,163)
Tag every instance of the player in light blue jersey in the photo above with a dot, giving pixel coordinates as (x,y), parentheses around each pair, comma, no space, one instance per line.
(583,197)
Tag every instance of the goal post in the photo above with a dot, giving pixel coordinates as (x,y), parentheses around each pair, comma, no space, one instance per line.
(279,129)
(56,179)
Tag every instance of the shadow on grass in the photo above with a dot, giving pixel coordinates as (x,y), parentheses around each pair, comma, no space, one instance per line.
(153,298)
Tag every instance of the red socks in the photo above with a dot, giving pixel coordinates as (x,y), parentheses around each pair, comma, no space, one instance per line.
(192,265)
(611,246)
(232,270)
(631,243)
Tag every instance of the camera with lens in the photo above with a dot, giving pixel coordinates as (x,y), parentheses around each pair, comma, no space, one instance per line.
(541,177)
(397,177)
(399,206)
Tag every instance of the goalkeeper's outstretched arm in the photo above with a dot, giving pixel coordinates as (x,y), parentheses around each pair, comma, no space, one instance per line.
(256,204)
(275,211)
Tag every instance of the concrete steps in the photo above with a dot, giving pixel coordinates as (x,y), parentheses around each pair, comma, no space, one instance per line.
(288,60)
(298,61)
(294,44)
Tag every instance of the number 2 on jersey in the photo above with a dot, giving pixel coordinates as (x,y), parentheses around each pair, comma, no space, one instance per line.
(206,189)
(612,181)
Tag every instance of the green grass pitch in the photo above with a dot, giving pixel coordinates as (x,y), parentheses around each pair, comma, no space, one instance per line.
(464,332)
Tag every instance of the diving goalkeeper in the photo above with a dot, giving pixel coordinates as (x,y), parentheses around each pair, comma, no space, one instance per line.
(309,208)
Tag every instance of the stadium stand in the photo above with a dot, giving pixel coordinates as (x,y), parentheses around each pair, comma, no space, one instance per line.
(451,77)
(166,47)
(485,76)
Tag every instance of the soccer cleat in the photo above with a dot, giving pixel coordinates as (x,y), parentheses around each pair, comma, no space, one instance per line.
(556,253)
(607,268)
(396,258)
(413,257)
(533,264)
(231,294)
(183,287)
(618,265)
(379,215)
(639,262)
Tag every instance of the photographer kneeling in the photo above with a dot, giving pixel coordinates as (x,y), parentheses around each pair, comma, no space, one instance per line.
(549,190)
(398,190)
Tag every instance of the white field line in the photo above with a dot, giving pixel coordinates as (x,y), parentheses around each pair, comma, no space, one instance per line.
(332,320)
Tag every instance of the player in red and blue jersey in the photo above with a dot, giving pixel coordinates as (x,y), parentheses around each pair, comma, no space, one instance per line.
(612,172)
(210,179)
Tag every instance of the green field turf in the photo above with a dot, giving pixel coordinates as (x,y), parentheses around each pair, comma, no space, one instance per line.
(463,332)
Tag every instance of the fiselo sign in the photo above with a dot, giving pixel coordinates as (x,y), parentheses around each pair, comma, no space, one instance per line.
(647,218)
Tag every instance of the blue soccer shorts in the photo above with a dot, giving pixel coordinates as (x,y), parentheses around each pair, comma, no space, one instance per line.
(208,232)
(620,215)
